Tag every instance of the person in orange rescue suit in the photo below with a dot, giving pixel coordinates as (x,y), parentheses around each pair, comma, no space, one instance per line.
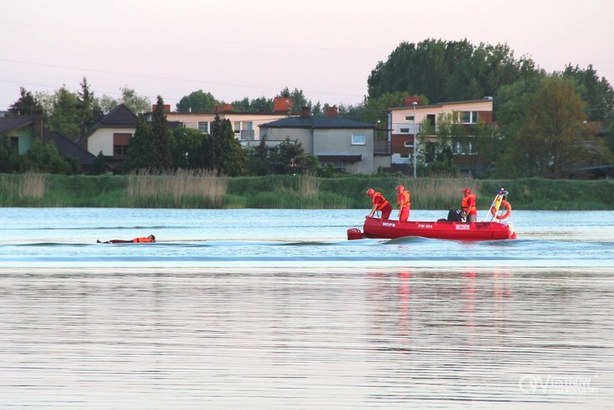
(142,239)
(469,206)
(379,204)
(403,202)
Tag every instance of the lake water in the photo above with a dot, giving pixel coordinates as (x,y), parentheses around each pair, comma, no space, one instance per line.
(276,309)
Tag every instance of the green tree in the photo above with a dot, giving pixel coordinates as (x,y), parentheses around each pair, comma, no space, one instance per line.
(447,71)
(100,166)
(551,139)
(138,104)
(43,157)
(597,93)
(298,99)
(10,160)
(139,154)
(289,158)
(197,101)
(258,159)
(27,104)
(90,111)
(222,151)
(262,104)
(186,148)
(160,138)
(65,117)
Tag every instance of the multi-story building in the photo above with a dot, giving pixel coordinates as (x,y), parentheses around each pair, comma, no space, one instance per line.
(412,126)
(346,145)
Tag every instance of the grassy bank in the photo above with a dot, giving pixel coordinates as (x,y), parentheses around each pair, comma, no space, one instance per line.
(204,190)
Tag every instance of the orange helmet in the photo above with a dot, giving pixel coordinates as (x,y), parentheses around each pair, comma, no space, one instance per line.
(370,192)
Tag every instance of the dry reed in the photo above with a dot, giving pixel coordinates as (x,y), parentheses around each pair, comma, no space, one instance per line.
(179,186)
(27,185)
(308,185)
(429,192)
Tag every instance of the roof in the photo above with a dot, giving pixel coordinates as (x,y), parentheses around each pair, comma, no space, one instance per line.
(317,123)
(67,148)
(8,124)
(119,117)
(441,104)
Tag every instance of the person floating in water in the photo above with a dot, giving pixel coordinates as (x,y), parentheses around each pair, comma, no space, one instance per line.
(141,239)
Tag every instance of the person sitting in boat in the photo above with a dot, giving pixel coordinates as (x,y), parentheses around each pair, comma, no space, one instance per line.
(379,204)
(142,239)
(403,202)
(469,206)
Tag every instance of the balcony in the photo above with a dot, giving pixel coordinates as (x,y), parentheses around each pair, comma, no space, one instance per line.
(381,148)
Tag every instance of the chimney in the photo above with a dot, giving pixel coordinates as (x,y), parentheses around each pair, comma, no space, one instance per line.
(305,112)
(37,118)
(410,99)
(166,108)
(282,105)
(331,112)
(222,108)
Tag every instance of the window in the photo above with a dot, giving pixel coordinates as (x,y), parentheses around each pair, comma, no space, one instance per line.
(120,145)
(203,126)
(359,139)
(409,118)
(469,117)
(408,144)
(15,144)
(404,130)
(239,126)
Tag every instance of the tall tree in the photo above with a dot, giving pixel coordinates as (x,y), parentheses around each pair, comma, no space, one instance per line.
(597,92)
(551,139)
(88,105)
(139,152)
(222,150)
(27,104)
(447,71)
(160,138)
(65,117)
(186,148)
(197,101)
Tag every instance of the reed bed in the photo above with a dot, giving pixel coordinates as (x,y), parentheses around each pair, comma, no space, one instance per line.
(181,188)
(205,189)
(23,189)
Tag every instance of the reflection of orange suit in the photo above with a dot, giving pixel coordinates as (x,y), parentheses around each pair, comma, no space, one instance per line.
(381,204)
(403,204)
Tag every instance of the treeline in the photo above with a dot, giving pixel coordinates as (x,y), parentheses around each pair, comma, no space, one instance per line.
(542,119)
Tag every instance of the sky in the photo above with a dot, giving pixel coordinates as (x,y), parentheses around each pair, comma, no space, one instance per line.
(255,48)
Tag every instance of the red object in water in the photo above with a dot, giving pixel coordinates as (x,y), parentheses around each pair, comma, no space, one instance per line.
(474,231)
(355,233)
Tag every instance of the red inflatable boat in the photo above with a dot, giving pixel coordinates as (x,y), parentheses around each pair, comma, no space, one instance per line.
(474,231)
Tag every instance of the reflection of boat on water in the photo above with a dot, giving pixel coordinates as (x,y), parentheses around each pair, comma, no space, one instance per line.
(474,231)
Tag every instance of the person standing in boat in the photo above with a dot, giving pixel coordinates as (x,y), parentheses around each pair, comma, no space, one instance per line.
(403,202)
(469,206)
(379,204)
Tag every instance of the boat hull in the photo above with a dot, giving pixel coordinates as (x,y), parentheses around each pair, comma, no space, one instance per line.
(474,231)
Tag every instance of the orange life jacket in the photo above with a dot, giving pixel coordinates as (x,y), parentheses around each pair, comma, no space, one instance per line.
(142,239)
(468,204)
(403,199)
(379,200)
